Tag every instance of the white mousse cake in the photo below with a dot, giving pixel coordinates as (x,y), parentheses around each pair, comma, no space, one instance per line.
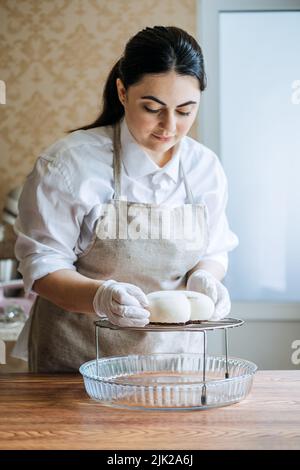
(180,306)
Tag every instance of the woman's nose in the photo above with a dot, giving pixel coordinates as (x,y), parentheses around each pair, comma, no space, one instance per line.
(168,123)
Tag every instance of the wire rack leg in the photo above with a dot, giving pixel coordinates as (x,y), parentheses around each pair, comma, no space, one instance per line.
(203,393)
(226,354)
(97,349)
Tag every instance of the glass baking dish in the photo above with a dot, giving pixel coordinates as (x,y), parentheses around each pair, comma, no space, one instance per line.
(168,381)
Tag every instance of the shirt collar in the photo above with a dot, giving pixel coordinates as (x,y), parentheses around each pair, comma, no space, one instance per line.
(138,163)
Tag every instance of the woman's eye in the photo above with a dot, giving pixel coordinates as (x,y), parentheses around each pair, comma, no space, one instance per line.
(151,110)
(184,114)
(155,111)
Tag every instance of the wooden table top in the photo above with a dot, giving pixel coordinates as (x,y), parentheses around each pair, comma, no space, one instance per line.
(54,412)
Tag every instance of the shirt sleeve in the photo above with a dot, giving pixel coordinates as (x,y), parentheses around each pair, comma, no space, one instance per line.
(48,224)
(221,238)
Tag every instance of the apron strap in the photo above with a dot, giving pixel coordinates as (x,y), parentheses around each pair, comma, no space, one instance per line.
(187,186)
(117,161)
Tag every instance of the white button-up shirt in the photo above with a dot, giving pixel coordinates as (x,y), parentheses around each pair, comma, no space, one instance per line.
(62,196)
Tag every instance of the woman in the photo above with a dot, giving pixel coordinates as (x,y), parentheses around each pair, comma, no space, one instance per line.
(85,243)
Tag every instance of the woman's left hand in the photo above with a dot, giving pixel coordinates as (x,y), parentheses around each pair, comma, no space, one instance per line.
(204,282)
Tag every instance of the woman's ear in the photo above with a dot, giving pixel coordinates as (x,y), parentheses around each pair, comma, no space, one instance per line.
(121,91)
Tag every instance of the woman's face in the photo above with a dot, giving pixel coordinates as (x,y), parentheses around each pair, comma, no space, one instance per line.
(160,109)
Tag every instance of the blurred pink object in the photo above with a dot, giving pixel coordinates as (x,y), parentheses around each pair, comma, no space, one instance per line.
(24,302)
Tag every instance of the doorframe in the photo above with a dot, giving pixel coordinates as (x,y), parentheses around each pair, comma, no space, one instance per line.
(208,131)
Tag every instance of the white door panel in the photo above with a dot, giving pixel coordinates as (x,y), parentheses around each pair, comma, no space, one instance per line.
(260,151)
(250,116)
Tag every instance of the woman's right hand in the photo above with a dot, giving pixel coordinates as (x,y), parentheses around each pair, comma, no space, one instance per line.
(123,304)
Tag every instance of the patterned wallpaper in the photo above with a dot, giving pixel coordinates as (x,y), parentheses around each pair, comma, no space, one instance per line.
(55,56)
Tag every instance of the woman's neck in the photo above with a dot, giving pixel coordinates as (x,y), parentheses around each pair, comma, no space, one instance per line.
(162,159)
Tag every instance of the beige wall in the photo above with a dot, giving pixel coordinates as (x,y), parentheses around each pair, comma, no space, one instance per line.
(55,56)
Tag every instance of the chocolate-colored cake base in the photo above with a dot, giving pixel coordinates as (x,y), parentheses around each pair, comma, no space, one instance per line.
(177,323)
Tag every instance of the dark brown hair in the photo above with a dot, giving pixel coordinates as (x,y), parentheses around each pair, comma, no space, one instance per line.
(152,50)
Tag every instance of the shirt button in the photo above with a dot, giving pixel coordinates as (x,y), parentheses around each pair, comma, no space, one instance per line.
(156,183)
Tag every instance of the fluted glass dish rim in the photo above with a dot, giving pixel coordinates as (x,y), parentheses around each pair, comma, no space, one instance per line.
(110,390)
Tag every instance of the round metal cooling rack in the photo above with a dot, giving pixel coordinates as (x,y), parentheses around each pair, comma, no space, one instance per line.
(203,327)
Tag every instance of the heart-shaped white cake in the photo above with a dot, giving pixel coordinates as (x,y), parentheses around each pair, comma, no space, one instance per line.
(180,306)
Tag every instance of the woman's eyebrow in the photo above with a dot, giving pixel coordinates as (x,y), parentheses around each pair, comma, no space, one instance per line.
(150,97)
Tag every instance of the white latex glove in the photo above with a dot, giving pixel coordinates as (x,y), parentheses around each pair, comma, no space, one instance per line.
(204,282)
(123,304)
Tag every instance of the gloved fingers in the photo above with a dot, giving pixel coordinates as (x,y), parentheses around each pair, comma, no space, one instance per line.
(129,311)
(138,294)
(205,284)
(124,321)
(129,294)
(121,295)
(133,322)
(223,305)
(211,291)
(135,312)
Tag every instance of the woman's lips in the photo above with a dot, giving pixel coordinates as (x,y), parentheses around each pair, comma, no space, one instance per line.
(163,138)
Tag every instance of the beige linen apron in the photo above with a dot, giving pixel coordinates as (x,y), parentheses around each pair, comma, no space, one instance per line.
(140,252)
